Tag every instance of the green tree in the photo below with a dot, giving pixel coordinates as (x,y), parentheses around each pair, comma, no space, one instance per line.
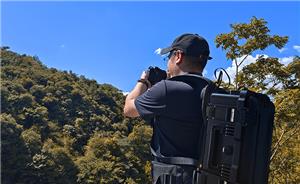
(32,140)
(285,158)
(266,75)
(138,154)
(105,161)
(52,165)
(14,154)
(245,38)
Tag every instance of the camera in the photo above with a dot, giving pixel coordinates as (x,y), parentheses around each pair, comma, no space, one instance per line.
(156,74)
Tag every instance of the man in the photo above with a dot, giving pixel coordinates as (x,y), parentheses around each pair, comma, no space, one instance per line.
(174,107)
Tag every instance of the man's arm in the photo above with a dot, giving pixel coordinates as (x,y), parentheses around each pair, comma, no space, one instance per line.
(140,88)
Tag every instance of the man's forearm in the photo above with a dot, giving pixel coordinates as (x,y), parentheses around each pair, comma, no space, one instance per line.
(129,107)
(139,89)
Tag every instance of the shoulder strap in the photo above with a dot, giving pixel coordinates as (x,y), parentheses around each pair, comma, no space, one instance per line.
(205,93)
(205,96)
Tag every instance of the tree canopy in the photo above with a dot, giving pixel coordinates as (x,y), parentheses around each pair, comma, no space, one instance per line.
(245,38)
(58,127)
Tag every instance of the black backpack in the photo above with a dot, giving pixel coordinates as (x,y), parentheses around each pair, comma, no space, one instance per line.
(236,137)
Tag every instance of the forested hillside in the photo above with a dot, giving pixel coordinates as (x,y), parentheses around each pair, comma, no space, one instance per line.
(57,127)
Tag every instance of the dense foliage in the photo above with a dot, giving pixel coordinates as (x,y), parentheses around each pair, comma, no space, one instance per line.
(57,127)
(244,39)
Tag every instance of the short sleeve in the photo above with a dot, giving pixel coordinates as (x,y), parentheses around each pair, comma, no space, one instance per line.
(152,102)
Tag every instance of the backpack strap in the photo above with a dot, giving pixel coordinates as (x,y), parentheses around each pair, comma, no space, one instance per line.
(205,93)
(209,87)
(174,160)
(205,96)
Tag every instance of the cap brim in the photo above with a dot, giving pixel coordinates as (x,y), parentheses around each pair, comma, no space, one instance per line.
(209,58)
(165,50)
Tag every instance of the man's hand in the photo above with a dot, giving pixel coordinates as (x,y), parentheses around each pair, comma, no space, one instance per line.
(144,79)
(145,75)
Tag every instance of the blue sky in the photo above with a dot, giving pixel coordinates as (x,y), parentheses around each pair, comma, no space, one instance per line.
(113,42)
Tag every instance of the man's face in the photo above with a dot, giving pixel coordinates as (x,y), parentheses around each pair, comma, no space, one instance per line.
(171,64)
(174,61)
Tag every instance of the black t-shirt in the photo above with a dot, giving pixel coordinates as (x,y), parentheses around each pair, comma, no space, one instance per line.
(174,108)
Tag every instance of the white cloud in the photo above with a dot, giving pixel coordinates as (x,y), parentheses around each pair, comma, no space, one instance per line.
(282,50)
(157,51)
(286,60)
(231,70)
(250,59)
(297,48)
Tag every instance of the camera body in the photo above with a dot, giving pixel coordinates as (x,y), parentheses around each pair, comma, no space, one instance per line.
(156,74)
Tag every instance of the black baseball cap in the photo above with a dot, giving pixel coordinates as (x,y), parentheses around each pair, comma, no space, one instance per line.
(191,45)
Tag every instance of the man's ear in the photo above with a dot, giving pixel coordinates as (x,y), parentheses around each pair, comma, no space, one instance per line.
(179,57)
